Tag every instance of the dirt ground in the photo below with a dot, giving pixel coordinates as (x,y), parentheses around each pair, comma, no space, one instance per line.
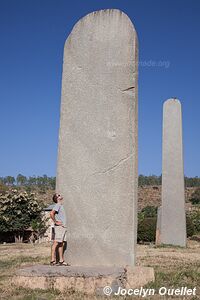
(174,267)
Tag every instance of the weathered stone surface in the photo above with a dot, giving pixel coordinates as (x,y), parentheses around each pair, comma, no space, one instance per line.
(158,226)
(138,276)
(72,271)
(83,279)
(97,159)
(173,219)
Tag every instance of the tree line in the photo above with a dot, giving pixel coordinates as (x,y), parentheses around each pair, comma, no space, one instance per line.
(31,181)
(50,182)
(157,180)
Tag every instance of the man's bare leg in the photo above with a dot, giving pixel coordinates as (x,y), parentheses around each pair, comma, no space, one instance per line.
(53,251)
(60,250)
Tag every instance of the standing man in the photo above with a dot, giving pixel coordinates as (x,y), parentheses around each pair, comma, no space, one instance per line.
(59,218)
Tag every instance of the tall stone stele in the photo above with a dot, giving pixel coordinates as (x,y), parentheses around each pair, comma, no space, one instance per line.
(173,218)
(97,156)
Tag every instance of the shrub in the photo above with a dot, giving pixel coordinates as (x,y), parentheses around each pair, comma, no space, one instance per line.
(194,218)
(147,230)
(195,197)
(18,210)
(189,227)
(147,227)
(147,212)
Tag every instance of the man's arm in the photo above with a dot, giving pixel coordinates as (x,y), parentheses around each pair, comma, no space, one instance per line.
(52,215)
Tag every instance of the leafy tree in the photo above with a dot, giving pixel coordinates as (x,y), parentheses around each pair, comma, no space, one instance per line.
(39,226)
(32,180)
(192,181)
(52,182)
(9,180)
(17,212)
(21,179)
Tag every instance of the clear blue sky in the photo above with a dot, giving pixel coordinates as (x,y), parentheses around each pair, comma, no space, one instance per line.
(32,36)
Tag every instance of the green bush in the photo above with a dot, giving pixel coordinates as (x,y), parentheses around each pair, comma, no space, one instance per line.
(19,211)
(195,197)
(189,226)
(146,230)
(147,212)
(147,227)
(195,201)
(194,217)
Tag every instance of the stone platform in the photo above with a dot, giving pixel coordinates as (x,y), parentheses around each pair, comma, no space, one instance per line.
(89,280)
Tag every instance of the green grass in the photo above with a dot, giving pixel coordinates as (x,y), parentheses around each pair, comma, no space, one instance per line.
(169,272)
(28,294)
(169,246)
(14,262)
(179,277)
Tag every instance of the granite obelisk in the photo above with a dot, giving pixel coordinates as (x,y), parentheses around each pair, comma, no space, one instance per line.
(97,156)
(173,218)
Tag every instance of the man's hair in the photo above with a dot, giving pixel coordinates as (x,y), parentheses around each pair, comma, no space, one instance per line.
(55,198)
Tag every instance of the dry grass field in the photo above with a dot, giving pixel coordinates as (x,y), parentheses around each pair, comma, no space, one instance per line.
(174,267)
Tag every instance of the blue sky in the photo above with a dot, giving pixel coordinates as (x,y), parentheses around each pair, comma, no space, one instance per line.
(32,36)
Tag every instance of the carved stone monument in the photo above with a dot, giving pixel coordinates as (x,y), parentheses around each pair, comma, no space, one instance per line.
(173,219)
(97,159)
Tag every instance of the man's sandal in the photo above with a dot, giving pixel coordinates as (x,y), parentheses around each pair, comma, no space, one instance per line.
(63,263)
(53,263)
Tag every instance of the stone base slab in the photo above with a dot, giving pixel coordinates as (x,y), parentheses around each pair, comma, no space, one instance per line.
(89,280)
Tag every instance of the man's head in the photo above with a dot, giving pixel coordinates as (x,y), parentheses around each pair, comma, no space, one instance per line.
(57,198)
